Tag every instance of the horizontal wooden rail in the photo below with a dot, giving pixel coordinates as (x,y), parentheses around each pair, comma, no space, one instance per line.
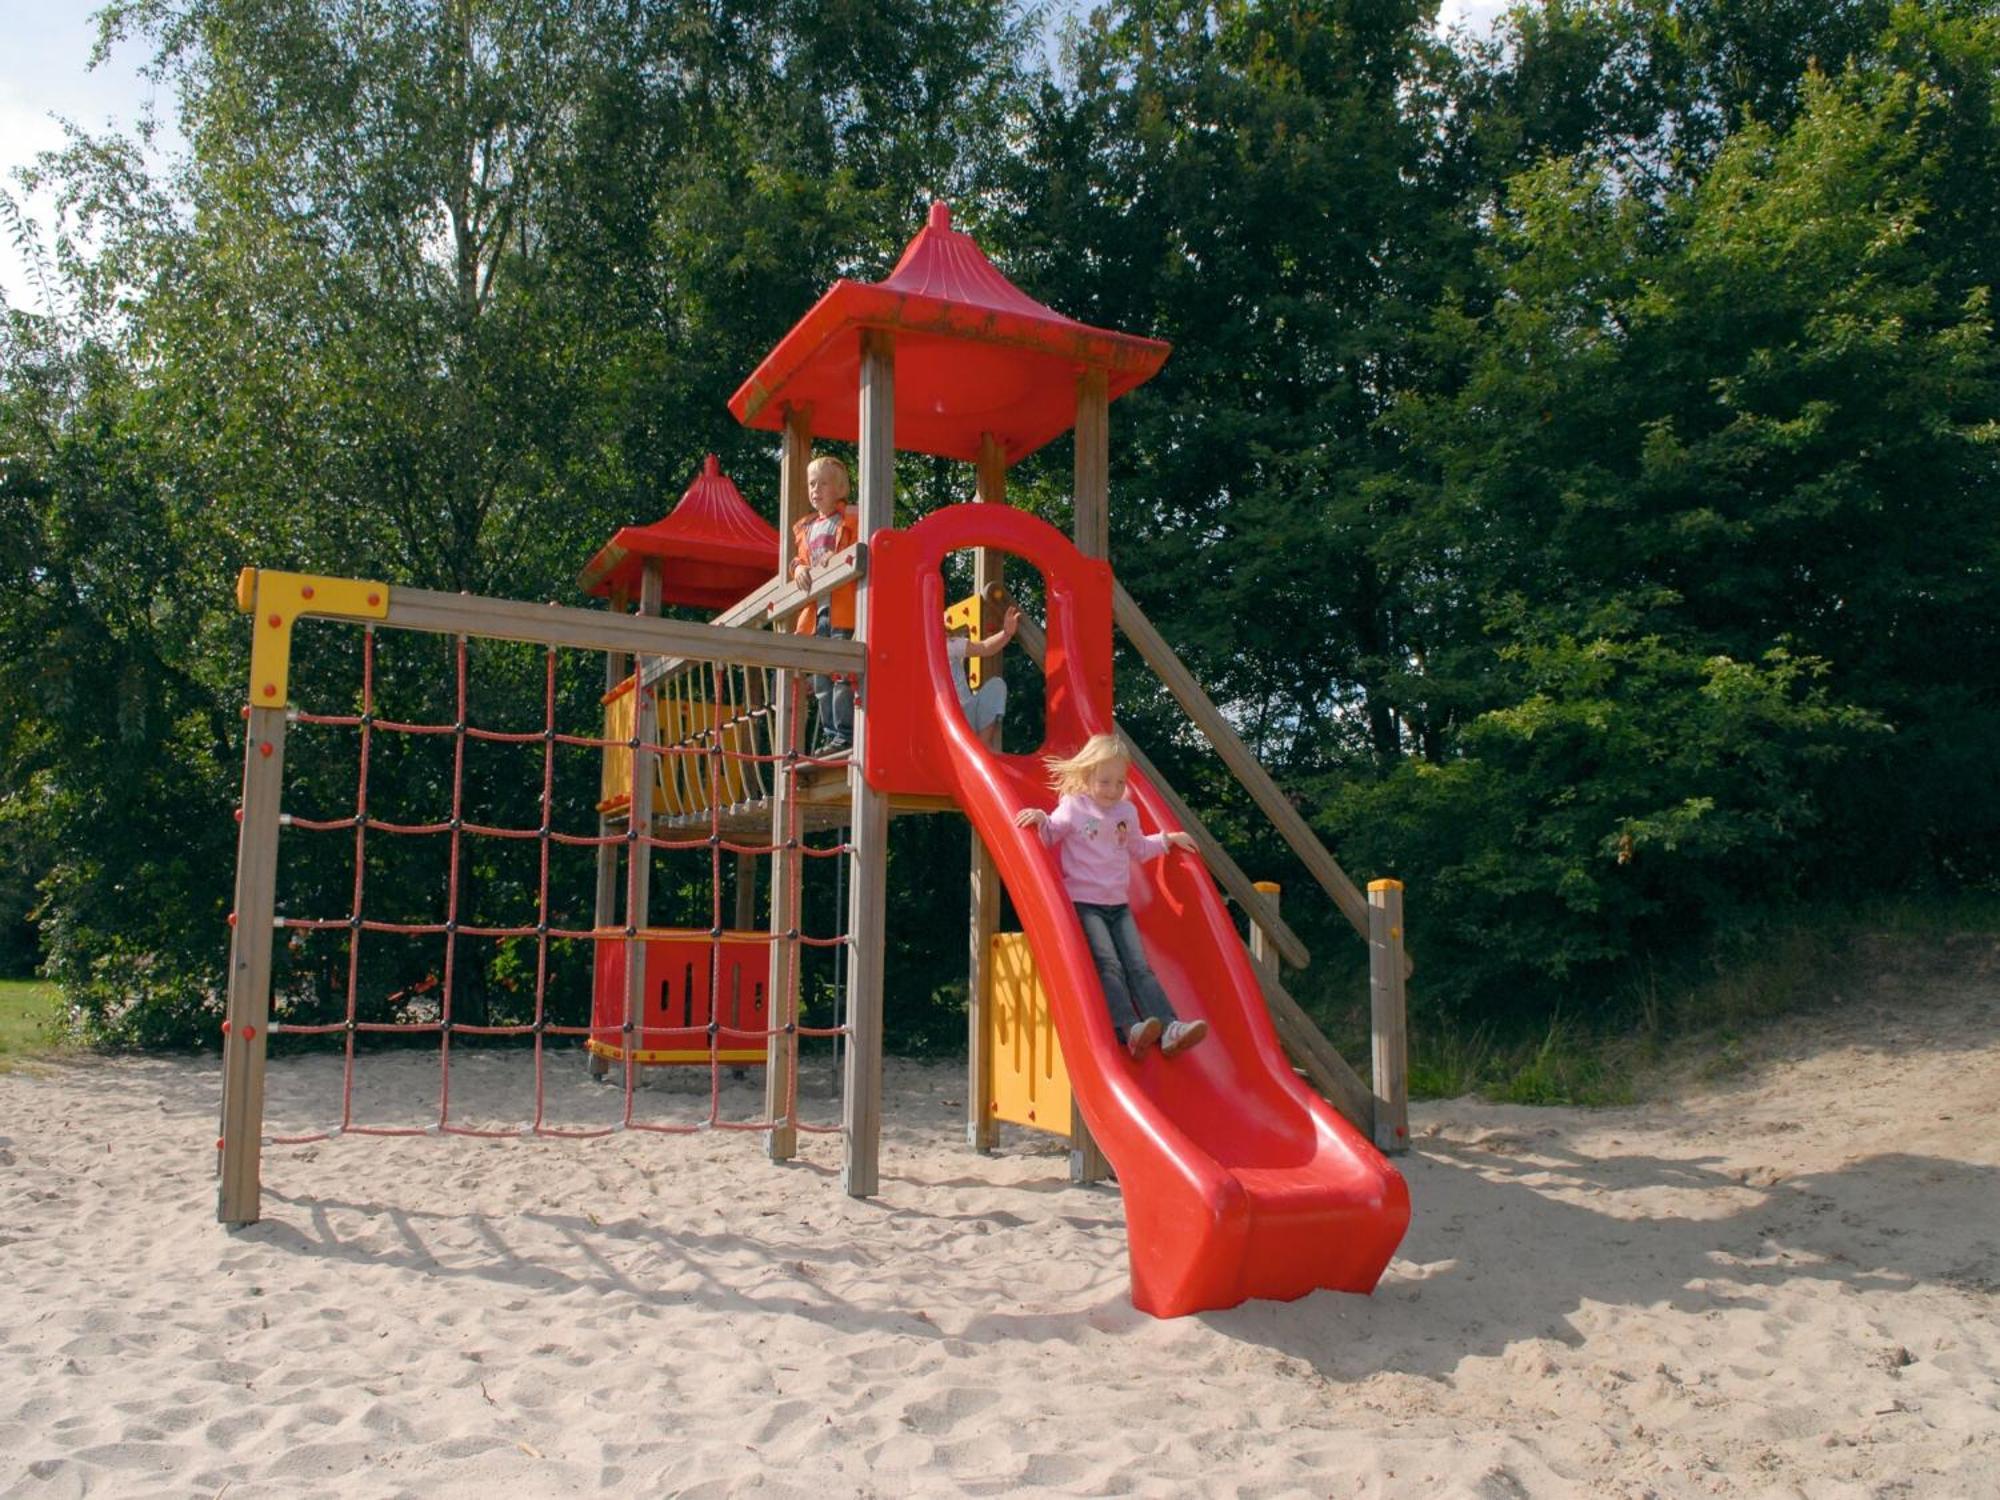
(1236,755)
(602,630)
(1242,890)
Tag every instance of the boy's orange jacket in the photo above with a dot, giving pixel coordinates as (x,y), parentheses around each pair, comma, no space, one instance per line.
(840,603)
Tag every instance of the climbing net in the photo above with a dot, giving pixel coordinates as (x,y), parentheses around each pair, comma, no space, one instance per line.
(707,772)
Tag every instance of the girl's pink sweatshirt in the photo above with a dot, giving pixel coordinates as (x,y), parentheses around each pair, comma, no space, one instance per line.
(1099,846)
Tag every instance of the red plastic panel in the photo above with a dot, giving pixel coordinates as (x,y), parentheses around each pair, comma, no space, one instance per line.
(679,998)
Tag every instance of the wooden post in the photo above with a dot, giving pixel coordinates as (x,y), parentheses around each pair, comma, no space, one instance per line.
(639,824)
(868,890)
(1261,947)
(617,664)
(782,1143)
(1093,466)
(239,1194)
(988,567)
(1093,539)
(1390,1072)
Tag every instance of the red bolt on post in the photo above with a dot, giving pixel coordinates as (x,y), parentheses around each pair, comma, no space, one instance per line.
(239,815)
(232,923)
(373,600)
(270,690)
(225,1028)
(276,621)
(265,749)
(218,1143)
(306,592)
(249,1032)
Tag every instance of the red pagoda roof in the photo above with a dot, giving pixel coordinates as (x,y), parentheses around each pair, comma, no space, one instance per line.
(974,354)
(714,548)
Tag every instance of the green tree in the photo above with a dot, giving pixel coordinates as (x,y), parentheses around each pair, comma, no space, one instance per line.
(1713,494)
(442,292)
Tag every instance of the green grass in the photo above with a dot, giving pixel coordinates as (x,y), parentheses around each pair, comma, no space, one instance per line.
(30,1012)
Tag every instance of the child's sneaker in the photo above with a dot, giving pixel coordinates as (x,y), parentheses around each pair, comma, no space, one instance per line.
(1142,1036)
(1181,1036)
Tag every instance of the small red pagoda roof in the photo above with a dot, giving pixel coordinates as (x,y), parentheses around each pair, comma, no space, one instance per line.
(974,354)
(714,548)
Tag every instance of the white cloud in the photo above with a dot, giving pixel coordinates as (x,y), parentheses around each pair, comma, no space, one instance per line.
(46,77)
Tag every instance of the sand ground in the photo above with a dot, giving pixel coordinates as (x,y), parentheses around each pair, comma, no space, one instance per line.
(1781,1283)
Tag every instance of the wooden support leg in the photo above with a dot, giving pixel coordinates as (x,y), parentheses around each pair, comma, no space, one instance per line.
(868,895)
(1385,991)
(780,1052)
(239,1193)
(979,999)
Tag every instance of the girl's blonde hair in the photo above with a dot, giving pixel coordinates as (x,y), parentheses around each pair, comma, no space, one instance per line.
(1070,774)
(825,464)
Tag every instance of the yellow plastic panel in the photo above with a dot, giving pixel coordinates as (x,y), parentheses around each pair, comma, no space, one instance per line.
(1030,1082)
(680,782)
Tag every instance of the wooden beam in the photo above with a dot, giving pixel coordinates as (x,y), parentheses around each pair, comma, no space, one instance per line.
(781,1051)
(985,922)
(988,567)
(1387,1028)
(1093,465)
(1318,1057)
(599,630)
(1242,890)
(990,473)
(1236,755)
(868,890)
(793,457)
(239,1193)
(615,672)
(638,853)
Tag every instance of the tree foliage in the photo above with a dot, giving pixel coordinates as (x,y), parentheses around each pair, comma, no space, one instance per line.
(1574,472)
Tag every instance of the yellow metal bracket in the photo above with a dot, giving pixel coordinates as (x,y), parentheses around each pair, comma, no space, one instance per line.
(274,600)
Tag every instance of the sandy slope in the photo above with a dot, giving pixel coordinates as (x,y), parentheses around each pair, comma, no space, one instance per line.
(1786,1285)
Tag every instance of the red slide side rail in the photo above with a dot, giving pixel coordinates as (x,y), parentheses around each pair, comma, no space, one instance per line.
(1238,1180)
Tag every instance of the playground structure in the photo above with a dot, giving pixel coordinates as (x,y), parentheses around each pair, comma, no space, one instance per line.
(1239,1180)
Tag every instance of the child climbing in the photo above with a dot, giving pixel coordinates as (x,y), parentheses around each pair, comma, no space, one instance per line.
(986,705)
(815,539)
(1097,831)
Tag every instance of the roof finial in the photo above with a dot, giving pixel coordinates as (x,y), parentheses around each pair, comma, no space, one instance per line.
(711,466)
(940,214)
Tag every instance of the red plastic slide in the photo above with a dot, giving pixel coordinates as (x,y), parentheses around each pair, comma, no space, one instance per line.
(1238,1180)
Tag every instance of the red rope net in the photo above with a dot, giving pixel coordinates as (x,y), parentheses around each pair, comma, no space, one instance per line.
(715,754)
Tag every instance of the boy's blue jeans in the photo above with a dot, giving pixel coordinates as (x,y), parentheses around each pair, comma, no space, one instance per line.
(833,696)
(1131,988)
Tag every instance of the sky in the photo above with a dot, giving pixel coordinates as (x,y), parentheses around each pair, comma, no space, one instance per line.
(45,77)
